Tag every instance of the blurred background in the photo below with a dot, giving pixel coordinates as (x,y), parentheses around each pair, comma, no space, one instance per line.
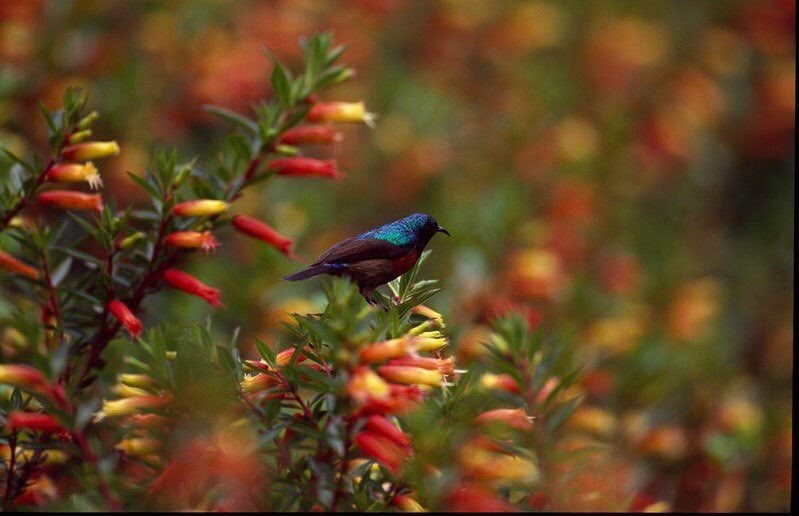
(623,173)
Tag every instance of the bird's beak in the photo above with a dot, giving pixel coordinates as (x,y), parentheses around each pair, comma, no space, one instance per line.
(443,230)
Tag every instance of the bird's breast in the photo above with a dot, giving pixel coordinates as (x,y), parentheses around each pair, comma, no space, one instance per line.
(404,263)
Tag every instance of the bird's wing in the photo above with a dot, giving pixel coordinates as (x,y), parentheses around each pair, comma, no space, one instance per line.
(356,249)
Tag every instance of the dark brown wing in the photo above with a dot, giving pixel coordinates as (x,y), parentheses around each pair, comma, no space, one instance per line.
(355,249)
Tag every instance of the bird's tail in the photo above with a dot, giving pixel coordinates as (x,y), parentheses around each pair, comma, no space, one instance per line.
(310,272)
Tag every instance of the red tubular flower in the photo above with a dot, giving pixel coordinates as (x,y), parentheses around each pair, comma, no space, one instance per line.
(76,173)
(18,420)
(502,382)
(381,425)
(340,112)
(90,150)
(257,229)
(305,134)
(382,449)
(192,240)
(514,418)
(69,200)
(445,365)
(199,208)
(11,264)
(191,285)
(411,375)
(21,375)
(382,351)
(305,167)
(126,317)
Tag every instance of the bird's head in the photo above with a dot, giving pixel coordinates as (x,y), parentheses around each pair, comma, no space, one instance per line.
(424,226)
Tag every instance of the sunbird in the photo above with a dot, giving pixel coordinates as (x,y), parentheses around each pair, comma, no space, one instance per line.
(377,256)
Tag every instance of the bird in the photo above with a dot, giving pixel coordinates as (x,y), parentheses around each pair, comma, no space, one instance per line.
(377,256)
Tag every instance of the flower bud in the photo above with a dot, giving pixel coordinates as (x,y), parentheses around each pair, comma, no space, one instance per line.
(191,285)
(138,446)
(429,313)
(258,382)
(90,150)
(21,375)
(341,112)
(200,208)
(445,365)
(69,200)
(76,173)
(305,134)
(408,504)
(126,317)
(138,380)
(132,239)
(410,375)
(305,167)
(11,264)
(257,229)
(18,420)
(502,382)
(88,120)
(78,136)
(192,240)
(431,341)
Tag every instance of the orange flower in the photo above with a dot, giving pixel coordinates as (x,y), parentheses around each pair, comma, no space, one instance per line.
(193,286)
(130,406)
(21,375)
(514,418)
(90,150)
(305,134)
(411,375)
(192,240)
(257,383)
(69,200)
(502,382)
(76,173)
(382,351)
(18,420)
(445,365)
(199,208)
(299,166)
(341,112)
(256,228)
(11,264)
(126,317)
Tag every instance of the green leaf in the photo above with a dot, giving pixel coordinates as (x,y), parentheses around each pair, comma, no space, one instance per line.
(232,116)
(282,86)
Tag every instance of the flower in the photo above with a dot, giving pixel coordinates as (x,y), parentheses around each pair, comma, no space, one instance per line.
(341,112)
(382,449)
(130,406)
(193,286)
(90,150)
(257,382)
(431,314)
(410,375)
(76,173)
(11,264)
(431,341)
(444,365)
(18,420)
(192,240)
(70,200)
(138,380)
(257,229)
(365,384)
(304,134)
(481,464)
(382,351)
(138,446)
(381,425)
(200,208)
(502,382)
(126,317)
(514,418)
(21,375)
(299,166)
